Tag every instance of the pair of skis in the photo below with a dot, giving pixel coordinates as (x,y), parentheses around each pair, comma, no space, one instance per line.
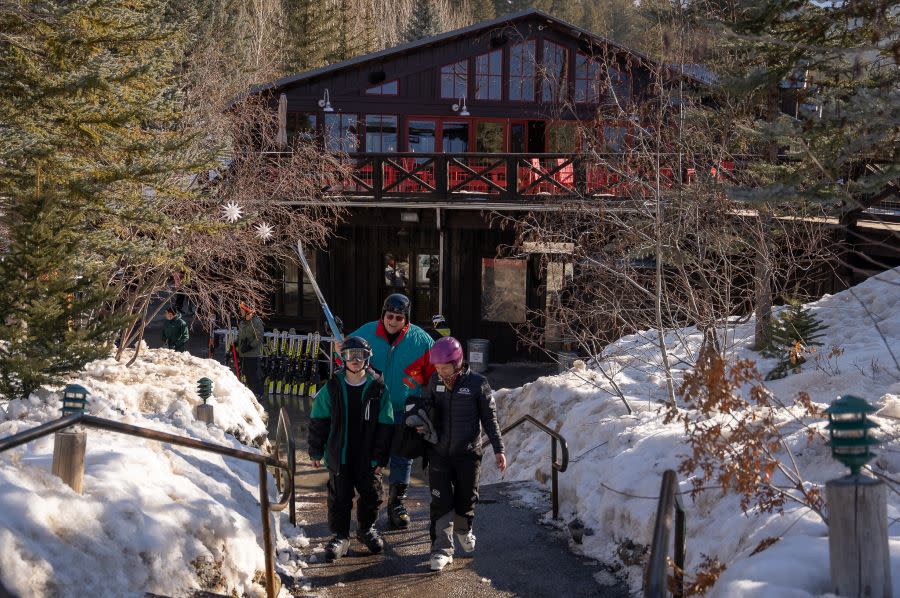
(291,365)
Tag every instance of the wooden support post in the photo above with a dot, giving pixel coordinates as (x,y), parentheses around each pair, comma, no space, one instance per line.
(68,457)
(857,537)
(204,413)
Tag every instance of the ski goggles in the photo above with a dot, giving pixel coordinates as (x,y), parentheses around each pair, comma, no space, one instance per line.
(355,355)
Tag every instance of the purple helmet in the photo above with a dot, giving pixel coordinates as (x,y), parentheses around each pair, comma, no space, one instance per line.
(446,350)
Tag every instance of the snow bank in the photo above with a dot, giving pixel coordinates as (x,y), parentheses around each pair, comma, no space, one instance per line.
(153,517)
(617,459)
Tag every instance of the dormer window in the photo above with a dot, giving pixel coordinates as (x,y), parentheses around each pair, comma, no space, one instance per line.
(389,88)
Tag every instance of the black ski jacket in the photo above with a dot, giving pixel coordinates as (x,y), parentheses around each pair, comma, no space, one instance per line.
(328,424)
(461,414)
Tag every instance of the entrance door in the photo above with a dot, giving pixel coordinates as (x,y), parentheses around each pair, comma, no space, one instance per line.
(416,274)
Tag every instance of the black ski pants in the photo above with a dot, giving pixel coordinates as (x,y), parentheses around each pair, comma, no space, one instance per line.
(341,486)
(454,490)
(250,368)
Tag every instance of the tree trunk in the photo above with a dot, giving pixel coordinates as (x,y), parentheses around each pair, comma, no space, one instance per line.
(763,284)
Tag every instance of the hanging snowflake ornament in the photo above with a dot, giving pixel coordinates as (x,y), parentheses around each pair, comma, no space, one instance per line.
(264,231)
(232,212)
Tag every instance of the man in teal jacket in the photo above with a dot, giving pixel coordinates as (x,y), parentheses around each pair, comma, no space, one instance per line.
(400,354)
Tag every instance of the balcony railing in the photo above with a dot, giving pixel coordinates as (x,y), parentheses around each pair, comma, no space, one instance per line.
(506,177)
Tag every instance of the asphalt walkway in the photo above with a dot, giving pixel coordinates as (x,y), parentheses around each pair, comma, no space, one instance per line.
(515,556)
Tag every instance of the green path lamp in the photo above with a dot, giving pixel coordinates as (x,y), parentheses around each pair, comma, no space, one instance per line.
(204,388)
(204,412)
(74,399)
(848,426)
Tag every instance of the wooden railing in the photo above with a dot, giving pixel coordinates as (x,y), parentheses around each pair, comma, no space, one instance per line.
(506,177)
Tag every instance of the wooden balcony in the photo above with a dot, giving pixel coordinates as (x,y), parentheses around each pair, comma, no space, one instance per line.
(506,178)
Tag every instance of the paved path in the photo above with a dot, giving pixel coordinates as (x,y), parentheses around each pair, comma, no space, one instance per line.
(515,556)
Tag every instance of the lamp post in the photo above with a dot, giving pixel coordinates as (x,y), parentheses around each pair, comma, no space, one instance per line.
(204,412)
(70,444)
(857,506)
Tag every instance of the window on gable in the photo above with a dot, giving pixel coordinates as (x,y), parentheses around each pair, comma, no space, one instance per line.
(555,69)
(489,76)
(620,84)
(391,88)
(454,80)
(521,72)
(587,79)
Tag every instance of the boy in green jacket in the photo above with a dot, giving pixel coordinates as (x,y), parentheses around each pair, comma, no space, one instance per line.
(350,432)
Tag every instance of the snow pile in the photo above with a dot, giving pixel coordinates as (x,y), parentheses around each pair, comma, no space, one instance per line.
(617,460)
(153,517)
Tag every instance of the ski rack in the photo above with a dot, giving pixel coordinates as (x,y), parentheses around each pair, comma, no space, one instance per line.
(231,335)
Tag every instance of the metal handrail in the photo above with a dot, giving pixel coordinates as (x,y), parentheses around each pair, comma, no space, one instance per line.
(262,460)
(556,466)
(657,565)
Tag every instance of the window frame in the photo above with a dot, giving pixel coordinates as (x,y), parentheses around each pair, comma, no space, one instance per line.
(489,76)
(455,74)
(373,90)
(558,80)
(341,138)
(587,78)
(365,132)
(523,77)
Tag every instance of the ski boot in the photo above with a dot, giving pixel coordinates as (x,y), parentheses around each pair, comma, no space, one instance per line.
(397,514)
(336,548)
(371,539)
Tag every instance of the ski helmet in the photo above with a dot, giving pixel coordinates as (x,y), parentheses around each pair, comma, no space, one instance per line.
(397,303)
(356,347)
(446,350)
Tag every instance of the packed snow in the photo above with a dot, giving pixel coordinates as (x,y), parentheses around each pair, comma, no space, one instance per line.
(153,517)
(617,460)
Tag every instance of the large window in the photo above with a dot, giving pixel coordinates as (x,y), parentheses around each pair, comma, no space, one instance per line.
(620,84)
(421,136)
(555,68)
(391,88)
(489,76)
(301,126)
(381,133)
(503,290)
(490,137)
(455,137)
(587,79)
(341,133)
(454,80)
(521,72)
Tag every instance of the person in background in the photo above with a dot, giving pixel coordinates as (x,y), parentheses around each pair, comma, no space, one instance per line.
(350,432)
(251,335)
(175,330)
(462,405)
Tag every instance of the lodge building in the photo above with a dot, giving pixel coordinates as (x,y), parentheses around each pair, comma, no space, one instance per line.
(444,133)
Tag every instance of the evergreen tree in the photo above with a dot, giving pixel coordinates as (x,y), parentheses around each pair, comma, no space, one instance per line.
(482,10)
(91,146)
(840,61)
(791,335)
(424,21)
(306,31)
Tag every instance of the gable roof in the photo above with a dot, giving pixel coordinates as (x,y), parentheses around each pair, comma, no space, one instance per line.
(574,30)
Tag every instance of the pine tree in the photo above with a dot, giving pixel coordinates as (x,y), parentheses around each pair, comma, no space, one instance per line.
(424,21)
(791,335)
(482,10)
(306,26)
(91,149)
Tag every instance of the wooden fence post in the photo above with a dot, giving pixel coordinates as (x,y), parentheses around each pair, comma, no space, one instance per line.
(68,457)
(858,538)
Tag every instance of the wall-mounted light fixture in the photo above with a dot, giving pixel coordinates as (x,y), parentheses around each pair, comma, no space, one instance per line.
(409,216)
(325,102)
(461,107)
